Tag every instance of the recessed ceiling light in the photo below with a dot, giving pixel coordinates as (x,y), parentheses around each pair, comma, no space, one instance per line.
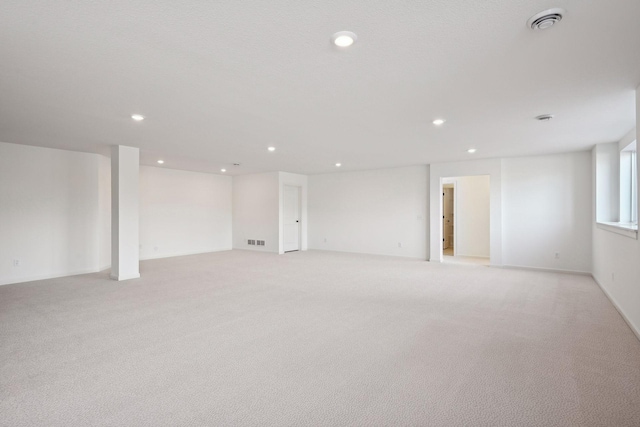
(546,19)
(338,165)
(271,148)
(438,122)
(161,161)
(471,150)
(344,38)
(137,117)
(544,117)
(223,170)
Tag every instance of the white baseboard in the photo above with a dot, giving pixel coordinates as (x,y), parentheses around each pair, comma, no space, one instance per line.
(368,253)
(125,277)
(175,254)
(101,268)
(266,251)
(45,277)
(473,256)
(543,270)
(633,327)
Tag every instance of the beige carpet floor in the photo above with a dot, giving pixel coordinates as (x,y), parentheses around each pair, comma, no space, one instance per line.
(315,339)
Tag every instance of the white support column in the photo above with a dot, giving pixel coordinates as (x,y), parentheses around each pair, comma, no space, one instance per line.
(125,166)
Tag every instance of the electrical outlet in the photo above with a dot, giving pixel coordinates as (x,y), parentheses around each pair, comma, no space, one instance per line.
(16,263)
(557,255)
(613,277)
(155,249)
(325,240)
(399,244)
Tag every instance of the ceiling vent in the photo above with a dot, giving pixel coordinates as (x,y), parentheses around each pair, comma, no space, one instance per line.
(544,117)
(545,19)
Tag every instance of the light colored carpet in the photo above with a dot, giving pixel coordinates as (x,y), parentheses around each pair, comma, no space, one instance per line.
(313,339)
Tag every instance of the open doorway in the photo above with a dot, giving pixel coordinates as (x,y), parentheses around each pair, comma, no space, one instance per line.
(448,223)
(466,219)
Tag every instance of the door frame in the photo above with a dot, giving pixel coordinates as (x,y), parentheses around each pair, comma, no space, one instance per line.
(453,183)
(299,188)
(437,171)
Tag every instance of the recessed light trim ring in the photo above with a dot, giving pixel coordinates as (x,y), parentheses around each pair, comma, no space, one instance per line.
(344,38)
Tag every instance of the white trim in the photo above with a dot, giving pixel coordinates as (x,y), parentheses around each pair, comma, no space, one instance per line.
(454,183)
(455,218)
(299,187)
(437,171)
(125,277)
(45,277)
(255,249)
(474,256)
(619,228)
(542,269)
(420,258)
(176,254)
(633,327)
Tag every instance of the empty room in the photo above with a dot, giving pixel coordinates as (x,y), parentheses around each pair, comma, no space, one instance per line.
(336,213)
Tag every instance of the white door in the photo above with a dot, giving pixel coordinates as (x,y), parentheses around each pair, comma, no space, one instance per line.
(291,218)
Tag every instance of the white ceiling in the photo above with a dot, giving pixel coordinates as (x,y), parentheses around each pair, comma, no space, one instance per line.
(220,81)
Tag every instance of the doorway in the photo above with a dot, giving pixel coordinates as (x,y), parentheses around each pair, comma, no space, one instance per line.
(466,220)
(291,218)
(448,223)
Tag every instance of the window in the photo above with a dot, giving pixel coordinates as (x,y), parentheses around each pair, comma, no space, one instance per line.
(629,185)
(616,180)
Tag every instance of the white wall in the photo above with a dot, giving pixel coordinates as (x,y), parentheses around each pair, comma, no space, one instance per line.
(49,213)
(439,171)
(104,212)
(183,212)
(55,212)
(547,210)
(472,216)
(125,212)
(616,260)
(256,211)
(607,183)
(370,212)
(301,181)
(616,268)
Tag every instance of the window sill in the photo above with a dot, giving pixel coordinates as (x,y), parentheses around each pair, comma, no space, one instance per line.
(622,228)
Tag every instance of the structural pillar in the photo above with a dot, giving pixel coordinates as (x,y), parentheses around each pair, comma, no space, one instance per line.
(125,254)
